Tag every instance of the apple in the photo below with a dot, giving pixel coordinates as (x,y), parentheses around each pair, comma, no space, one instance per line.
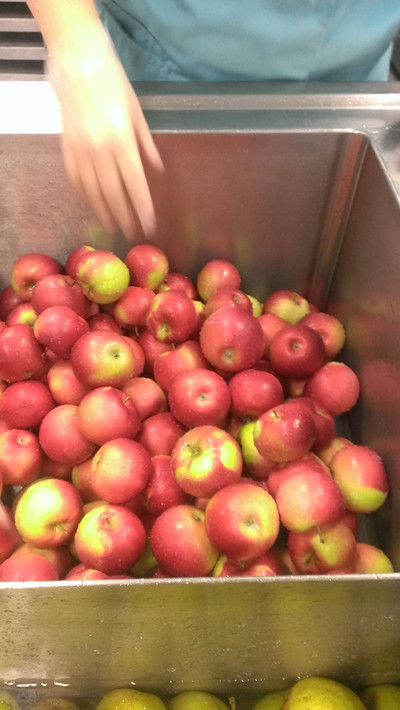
(60,557)
(148,397)
(171,317)
(319,693)
(205,459)
(196,700)
(327,452)
(215,275)
(285,432)
(266,565)
(371,560)
(9,536)
(253,392)
(22,313)
(296,351)
(28,269)
(175,281)
(148,266)
(59,290)
(82,573)
(138,354)
(8,301)
(30,567)
(381,696)
(100,358)
(24,404)
(21,457)
(360,474)
(130,311)
(199,397)
(73,258)
(330,329)
(102,275)
(159,433)
(106,413)
(61,438)
(21,356)
(232,339)
(185,356)
(306,463)
(162,490)
(64,385)
(58,328)
(335,386)
(307,499)
(152,348)
(180,543)
(288,305)
(271,325)
(255,465)
(82,479)
(48,512)
(110,538)
(129,698)
(242,521)
(120,470)
(225,298)
(103,321)
(324,549)
(55,469)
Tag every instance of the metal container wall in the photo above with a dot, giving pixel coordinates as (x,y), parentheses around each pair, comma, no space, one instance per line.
(301,190)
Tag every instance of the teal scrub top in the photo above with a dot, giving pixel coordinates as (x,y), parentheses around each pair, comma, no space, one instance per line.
(250,40)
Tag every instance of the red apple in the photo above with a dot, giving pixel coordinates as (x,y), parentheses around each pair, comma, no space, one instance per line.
(255,465)
(271,325)
(360,474)
(242,521)
(110,538)
(185,356)
(226,298)
(175,281)
(21,457)
(323,550)
(199,397)
(330,329)
(48,512)
(106,413)
(21,356)
(216,275)
(58,328)
(28,269)
(148,266)
(285,432)
(100,358)
(60,557)
(162,490)
(56,469)
(327,452)
(306,463)
(232,339)
(253,392)
(24,404)
(103,321)
(296,351)
(8,301)
(138,354)
(73,259)
(23,313)
(64,384)
(120,470)
(266,565)
(180,543)
(307,499)
(205,459)
(288,305)
(147,396)
(159,433)
(30,567)
(371,560)
(102,275)
(61,438)
(171,317)
(152,348)
(82,573)
(130,311)
(59,290)
(335,386)
(82,479)
(9,536)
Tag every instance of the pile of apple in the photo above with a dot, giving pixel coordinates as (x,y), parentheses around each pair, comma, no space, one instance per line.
(155,425)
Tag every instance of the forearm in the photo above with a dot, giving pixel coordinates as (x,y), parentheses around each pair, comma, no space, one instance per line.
(67,24)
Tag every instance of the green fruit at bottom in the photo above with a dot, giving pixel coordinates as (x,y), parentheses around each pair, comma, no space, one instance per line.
(7,701)
(318,693)
(130,699)
(272,701)
(382,696)
(196,700)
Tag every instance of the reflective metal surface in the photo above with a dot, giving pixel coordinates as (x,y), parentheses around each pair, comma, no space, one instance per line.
(300,188)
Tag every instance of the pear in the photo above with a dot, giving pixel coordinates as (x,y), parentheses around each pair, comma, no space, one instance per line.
(317,693)
(54,704)
(7,701)
(271,701)
(382,696)
(196,700)
(130,699)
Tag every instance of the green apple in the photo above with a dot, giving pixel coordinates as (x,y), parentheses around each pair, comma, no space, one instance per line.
(130,699)
(382,696)
(271,701)
(8,701)
(318,693)
(196,700)
(102,275)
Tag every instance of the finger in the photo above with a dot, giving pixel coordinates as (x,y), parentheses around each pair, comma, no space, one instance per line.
(112,186)
(137,188)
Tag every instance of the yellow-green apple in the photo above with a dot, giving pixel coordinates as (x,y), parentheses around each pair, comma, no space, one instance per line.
(23,313)
(171,317)
(21,457)
(107,413)
(180,543)
(58,328)
(225,298)
(296,351)
(64,385)
(110,538)
(61,438)
(256,305)
(271,701)
(103,321)
(232,339)
(324,549)
(307,499)
(242,521)
(138,354)
(100,358)
(288,305)
(159,433)
(371,560)
(185,356)
(81,477)
(253,392)
(196,700)
(121,469)
(59,290)
(152,348)
(9,535)
(28,269)
(130,699)
(321,693)
(381,696)
(205,459)
(176,281)
(30,567)
(285,432)
(215,275)
(256,466)
(148,397)
(335,386)
(73,258)
(60,557)
(162,490)
(102,275)
(21,355)
(266,565)
(48,512)
(199,397)
(130,311)
(148,265)
(81,573)
(361,476)
(8,301)
(330,329)
(308,462)
(24,404)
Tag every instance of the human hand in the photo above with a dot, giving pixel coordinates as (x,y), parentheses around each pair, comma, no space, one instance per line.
(105,137)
